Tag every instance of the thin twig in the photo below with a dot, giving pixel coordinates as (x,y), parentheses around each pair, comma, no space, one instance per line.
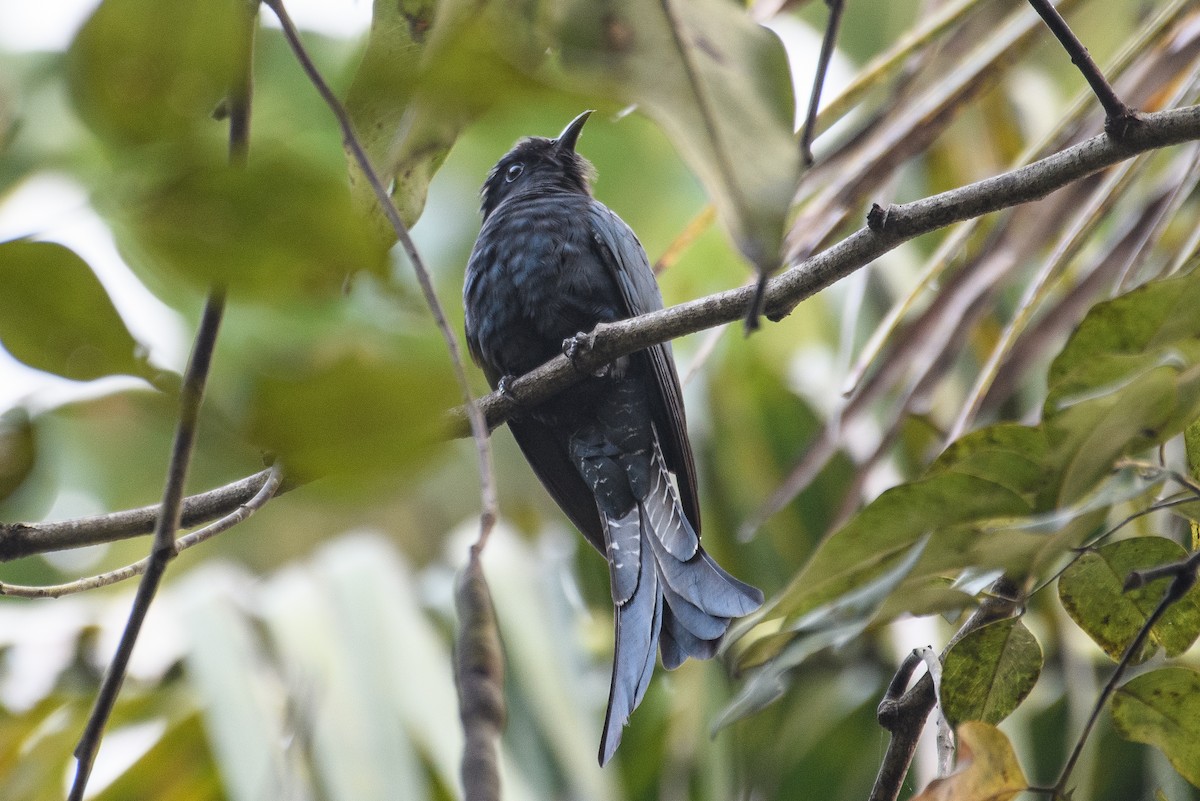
(1120,118)
(267,491)
(478,425)
(1184,580)
(163,547)
(832,26)
(243,87)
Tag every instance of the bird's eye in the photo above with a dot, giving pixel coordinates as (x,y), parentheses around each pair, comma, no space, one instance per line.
(514,170)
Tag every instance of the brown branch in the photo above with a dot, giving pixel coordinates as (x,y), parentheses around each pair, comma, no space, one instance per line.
(269,490)
(19,540)
(887,228)
(162,551)
(1120,118)
(903,713)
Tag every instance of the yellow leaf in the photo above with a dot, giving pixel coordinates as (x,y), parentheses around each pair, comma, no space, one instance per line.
(987,768)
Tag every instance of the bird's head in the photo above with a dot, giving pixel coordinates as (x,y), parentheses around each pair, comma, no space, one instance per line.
(539,164)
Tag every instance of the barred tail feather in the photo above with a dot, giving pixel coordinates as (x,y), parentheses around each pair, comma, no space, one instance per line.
(669,594)
(638,623)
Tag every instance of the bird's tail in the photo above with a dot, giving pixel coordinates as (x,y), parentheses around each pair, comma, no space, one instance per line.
(669,594)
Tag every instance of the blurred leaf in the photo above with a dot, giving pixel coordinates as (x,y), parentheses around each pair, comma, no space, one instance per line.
(278,229)
(343,701)
(193,777)
(1092,593)
(717,83)
(430,69)
(378,99)
(760,427)
(142,71)
(243,703)
(831,625)
(987,673)
(1162,709)
(355,412)
(56,316)
(558,688)
(17,450)
(35,747)
(372,590)
(987,768)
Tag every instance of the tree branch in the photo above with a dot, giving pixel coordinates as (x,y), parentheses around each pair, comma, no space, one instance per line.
(889,228)
(18,540)
(162,551)
(903,713)
(265,493)
(886,229)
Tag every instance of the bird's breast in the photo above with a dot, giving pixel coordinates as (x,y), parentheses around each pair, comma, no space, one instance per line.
(532,281)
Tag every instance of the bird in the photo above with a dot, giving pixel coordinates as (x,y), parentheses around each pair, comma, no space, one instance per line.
(551,263)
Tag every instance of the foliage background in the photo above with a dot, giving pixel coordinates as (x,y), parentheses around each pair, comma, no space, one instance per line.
(306,653)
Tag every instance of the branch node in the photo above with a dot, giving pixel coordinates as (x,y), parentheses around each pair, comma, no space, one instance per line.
(879,217)
(1126,123)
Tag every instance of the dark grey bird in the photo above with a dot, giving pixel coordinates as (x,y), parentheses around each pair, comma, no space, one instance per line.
(551,262)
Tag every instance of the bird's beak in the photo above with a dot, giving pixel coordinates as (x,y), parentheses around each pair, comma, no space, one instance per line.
(570,134)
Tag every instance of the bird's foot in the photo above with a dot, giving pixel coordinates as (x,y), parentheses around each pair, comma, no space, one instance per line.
(577,347)
(504,387)
(574,348)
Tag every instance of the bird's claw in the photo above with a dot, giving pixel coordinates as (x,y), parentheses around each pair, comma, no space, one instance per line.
(504,387)
(575,347)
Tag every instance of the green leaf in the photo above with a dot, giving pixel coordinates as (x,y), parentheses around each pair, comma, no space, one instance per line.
(1162,709)
(774,654)
(279,229)
(897,519)
(429,70)
(194,776)
(987,673)
(377,101)
(56,316)
(1121,382)
(142,71)
(1092,593)
(17,450)
(717,83)
(355,412)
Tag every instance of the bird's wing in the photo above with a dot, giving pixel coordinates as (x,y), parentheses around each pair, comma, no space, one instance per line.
(546,452)
(624,256)
(547,455)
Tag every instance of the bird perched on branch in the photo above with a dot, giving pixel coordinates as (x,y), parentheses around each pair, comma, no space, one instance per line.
(552,262)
